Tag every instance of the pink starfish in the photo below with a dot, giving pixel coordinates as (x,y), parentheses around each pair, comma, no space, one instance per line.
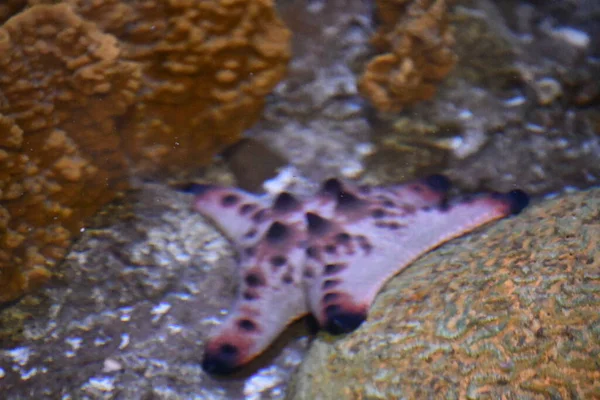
(328,255)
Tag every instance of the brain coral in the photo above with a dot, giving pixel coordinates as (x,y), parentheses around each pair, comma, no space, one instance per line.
(207,65)
(91,90)
(61,84)
(508,313)
(416,41)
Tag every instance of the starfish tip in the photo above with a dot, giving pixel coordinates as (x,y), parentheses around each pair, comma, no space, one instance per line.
(518,200)
(344,322)
(224,361)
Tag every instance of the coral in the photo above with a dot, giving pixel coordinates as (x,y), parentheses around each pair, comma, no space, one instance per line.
(10,7)
(207,66)
(416,41)
(511,313)
(61,84)
(91,91)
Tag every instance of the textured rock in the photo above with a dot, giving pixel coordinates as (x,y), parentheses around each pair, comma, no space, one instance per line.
(315,117)
(127,316)
(417,45)
(62,83)
(508,312)
(485,128)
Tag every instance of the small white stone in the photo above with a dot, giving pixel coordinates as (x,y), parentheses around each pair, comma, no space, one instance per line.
(515,101)
(572,36)
(281,181)
(124,341)
(111,365)
(102,384)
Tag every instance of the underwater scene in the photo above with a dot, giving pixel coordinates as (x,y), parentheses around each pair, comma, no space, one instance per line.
(299,199)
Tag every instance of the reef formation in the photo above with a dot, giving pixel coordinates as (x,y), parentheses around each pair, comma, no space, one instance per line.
(94,91)
(416,44)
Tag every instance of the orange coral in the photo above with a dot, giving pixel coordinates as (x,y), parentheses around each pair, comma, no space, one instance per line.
(61,84)
(10,7)
(417,41)
(207,65)
(88,85)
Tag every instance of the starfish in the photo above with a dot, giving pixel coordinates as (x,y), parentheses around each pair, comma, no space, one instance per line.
(328,254)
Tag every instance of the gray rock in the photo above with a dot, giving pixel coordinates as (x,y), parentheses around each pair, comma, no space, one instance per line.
(137,295)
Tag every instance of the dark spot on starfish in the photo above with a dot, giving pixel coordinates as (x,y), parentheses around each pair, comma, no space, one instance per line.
(309,273)
(517,200)
(250,251)
(364,189)
(329,283)
(389,204)
(287,279)
(251,233)
(444,205)
(409,209)
(259,216)
(380,224)
(341,321)
(468,199)
(317,225)
(364,243)
(278,261)
(332,309)
(346,201)
(332,187)
(330,297)
(426,208)
(331,269)
(277,232)
(416,188)
(250,295)
(285,202)
(394,225)
(255,279)
(388,225)
(438,183)
(330,249)
(342,238)
(229,200)
(378,213)
(312,252)
(246,208)
(246,325)
(223,361)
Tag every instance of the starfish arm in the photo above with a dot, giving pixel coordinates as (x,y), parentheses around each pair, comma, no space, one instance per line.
(270,297)
(429,192)
(353,260)
(241,216)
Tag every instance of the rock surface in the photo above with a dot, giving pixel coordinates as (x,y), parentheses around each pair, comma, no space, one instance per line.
(142,288)
(508,312)
(137,295)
